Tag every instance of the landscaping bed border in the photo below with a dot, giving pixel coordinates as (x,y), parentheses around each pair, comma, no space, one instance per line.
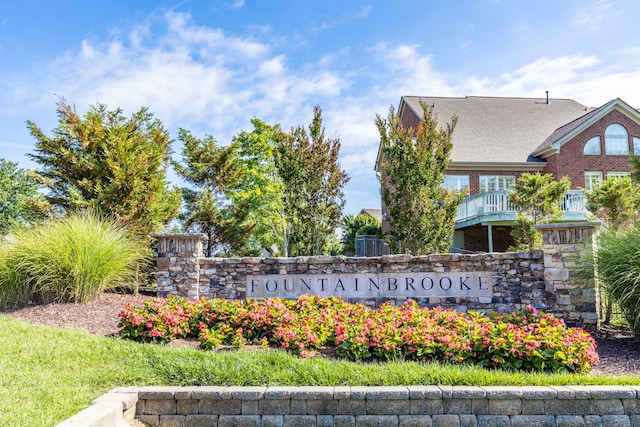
(436,406)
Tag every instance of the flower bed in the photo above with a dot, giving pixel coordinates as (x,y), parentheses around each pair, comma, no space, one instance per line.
(527,340)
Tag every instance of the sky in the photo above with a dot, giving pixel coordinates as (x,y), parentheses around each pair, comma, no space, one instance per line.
(211,66)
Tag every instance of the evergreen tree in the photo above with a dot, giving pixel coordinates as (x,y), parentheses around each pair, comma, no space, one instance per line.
(20,202)
(614,201)
(538,199)
(213,170)
(109,163)
(312,199)
(421,212)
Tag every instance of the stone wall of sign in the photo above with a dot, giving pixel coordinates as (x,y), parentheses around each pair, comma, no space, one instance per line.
(504,282)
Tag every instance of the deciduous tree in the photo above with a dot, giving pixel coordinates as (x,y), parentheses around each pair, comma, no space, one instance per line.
(313,199)
(421,212)
(109,163)
(355,225)
(260,186)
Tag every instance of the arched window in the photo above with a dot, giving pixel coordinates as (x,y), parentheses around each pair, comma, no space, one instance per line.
(592,146)
(616,140)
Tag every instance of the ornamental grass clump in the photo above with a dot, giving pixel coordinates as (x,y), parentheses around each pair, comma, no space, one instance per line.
(522,341)
(618,259)
(68,260)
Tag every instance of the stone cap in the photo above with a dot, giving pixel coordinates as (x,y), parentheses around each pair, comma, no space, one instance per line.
(199,236)
(558,225)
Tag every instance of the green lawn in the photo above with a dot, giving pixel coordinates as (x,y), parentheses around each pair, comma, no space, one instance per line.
(49,374)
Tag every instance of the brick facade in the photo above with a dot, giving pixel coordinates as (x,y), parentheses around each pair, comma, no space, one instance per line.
(570,160)
(477,236)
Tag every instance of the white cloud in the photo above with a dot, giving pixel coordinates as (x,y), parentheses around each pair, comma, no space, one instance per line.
(580,77)
(591,15)
(190,76)
(542,73)
(365,11)
(208,81)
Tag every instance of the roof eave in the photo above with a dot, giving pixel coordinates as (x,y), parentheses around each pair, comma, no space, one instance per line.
(512,166)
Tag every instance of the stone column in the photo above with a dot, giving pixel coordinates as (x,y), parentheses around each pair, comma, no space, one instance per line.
(179,264)
(569,292)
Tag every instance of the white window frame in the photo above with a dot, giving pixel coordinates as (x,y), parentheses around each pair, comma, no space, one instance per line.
(591,179)
(621,174)
(616,140)
(592,147)
(490,183)
(636,146)
(456,182)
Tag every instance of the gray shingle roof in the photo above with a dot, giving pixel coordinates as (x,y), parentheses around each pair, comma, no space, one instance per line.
(500,130)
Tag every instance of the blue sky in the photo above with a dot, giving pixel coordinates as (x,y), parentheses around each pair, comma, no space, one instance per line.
(210,66)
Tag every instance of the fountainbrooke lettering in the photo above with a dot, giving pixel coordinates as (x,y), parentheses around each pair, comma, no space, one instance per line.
(358,285)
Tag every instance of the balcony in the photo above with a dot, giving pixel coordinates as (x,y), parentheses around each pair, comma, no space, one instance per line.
(495,207)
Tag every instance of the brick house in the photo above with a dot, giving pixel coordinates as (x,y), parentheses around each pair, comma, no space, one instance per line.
(497,139)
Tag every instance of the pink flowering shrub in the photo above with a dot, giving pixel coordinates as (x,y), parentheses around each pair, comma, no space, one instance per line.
(157,320)
(525,340)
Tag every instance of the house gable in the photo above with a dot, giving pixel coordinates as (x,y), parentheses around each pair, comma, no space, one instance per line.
(573,129)
(568,159)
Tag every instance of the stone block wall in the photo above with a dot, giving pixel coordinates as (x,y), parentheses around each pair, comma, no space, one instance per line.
(431,406)
(573,296)
(519,277)
(547,279)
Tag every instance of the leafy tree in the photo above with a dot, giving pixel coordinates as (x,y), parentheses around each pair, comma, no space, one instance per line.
(412,162)
(313,199)
(357,225)
(109,163)
(333,245)
(525,235)
(213,170)
(614,202)
(538,199)
(260,186)
(20,202)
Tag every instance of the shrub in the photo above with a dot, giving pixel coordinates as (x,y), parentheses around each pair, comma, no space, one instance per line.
(68,260)
(525,340)
(619,272)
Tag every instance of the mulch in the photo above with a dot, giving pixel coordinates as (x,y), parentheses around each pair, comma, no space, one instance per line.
(619,351)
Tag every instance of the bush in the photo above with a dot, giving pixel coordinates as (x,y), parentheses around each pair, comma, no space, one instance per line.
(526,340)
(619,272)
(68,260)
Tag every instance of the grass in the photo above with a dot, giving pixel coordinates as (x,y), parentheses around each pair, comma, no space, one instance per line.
(619,271)
(70,259)
(49,374)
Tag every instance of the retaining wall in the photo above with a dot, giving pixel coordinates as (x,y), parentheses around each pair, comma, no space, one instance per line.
(427,406)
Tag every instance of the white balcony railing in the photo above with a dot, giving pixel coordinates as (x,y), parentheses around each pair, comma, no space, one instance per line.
(497,202)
